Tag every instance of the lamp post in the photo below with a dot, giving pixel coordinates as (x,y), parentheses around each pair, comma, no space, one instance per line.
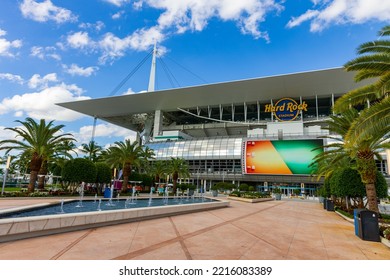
(5,174)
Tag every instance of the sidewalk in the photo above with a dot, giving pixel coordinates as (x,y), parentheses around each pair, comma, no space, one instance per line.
(274,230)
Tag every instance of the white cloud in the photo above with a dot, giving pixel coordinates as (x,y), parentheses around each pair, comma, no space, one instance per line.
(194,15)
(179,16)
(137,5)
(79,40)
(7,46)
(129,91)
(295,21)
(36,81)
(6,134)
(41,104)
(47,52)
(11,77)
(45,11)
(343,12)
(118,15)
(105,130)
(98,26)
(117,3)
(76,70)
(113,47)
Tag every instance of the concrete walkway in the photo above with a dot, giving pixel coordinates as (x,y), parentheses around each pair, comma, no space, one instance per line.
(274,230)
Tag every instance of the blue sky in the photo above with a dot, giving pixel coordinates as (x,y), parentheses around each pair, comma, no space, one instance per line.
(55,51)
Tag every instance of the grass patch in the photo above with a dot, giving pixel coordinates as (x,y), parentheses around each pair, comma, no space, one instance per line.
(12,189)
(345,213)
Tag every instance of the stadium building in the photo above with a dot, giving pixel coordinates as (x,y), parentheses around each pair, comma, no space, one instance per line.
(262,131)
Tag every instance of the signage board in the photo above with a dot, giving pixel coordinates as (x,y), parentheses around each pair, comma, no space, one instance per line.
(281,157)
(286,109)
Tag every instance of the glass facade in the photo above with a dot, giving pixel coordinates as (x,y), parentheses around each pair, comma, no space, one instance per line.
(217,156)
(205,149)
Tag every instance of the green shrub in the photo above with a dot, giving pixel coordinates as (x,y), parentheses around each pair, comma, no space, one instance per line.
(253,195)
(244,187)
(386,233)
(277,190)
(79,170)
(251,188)
(38,194)
(222,186)
(184,187)
(103,173)
(235,194)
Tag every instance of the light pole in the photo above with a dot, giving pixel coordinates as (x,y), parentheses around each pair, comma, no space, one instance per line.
(5,174)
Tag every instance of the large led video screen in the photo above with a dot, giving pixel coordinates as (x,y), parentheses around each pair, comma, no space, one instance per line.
(281,157)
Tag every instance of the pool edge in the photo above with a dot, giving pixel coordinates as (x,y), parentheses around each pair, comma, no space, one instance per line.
(23,228)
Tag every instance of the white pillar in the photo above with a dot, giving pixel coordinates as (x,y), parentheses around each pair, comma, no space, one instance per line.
(157,129)
(152,76)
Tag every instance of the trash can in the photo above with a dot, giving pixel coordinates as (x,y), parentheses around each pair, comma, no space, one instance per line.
(329,205)
(107,193)
(368,226)
(356,215)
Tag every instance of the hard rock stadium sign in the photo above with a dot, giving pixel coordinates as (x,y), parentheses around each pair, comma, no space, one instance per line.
(286,109)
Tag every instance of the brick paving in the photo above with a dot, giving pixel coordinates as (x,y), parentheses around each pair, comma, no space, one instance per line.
(273,230)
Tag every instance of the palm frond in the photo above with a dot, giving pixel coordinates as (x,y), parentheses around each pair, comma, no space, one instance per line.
(372,121)
(356,97)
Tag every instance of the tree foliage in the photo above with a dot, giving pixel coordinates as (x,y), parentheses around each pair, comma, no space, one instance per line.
(39,142)
(79,170)
(103,173)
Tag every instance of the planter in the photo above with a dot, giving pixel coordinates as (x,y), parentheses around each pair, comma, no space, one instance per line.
(278,196)
(214,193)
(321,199)
(250,200)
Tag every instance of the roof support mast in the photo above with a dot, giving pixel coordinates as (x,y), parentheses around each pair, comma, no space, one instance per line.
(157,128)
(152,77)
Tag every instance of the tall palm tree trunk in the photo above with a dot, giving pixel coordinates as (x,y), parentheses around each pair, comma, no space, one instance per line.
(367,169)
(35,166)
(41,175)
(126,175)
(371,197)
(174,181)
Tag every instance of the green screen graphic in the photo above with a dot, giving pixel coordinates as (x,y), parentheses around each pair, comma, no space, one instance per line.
(281,157)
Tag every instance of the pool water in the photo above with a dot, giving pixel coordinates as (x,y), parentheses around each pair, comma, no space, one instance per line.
(94,205)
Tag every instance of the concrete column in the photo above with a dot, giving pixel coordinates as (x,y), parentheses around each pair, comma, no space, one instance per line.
(158,117)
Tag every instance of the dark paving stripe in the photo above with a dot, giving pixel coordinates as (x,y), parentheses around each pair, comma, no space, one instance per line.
(183,245)
(70,246)
(181,238)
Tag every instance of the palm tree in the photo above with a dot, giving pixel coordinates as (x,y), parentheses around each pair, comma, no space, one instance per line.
(335,154)
(125,155)
(374,63)
(92,150)
(40,141)
(177,167)
(159,170)
(146,155)
(62,151)
(368,133)
(359,155)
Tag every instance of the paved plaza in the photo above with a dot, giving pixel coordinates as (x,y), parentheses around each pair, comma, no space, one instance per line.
(273,230)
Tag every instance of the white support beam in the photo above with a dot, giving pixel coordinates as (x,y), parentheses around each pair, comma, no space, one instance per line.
(245,111)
